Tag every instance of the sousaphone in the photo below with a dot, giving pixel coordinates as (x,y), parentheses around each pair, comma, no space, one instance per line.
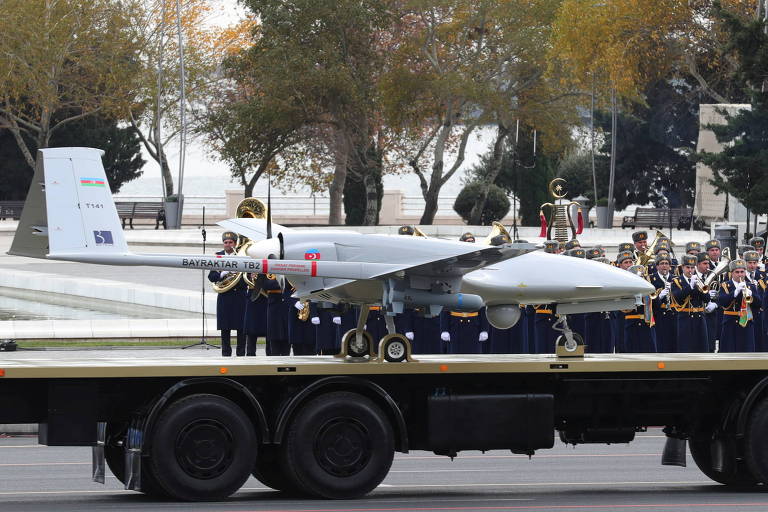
(249,208)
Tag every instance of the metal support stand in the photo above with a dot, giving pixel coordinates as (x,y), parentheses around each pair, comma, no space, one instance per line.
(202,342)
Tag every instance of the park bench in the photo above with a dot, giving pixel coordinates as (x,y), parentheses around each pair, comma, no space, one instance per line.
(11,209)
(660,218)
(129,210)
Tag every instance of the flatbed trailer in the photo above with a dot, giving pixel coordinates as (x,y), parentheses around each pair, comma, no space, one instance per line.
(195,428)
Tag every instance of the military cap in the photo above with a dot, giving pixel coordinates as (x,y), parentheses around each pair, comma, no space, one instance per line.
(661,246)
(405,230)
(603,259)
(690,259)
(711,244)
(572,244)
(661,258)
(626,246)
(576,252)
(639,236)
(467,237)
(500,240)
(702,256)
(751,256)
(692,246)
(737,264)
(661,253)
(624,256)
(741,249)
(593,253)
(551,246)
(229,235)
(757,242)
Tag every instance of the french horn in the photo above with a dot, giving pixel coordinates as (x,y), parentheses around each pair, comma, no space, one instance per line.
(497,228)
(249,208)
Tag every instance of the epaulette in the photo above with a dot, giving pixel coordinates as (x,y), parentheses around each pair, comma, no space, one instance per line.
(762,284)
(677,282)
(725,287)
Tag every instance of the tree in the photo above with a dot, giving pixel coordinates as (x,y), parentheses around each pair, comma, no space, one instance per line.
(462,65)
(63,60)
(741,169)
(496,207)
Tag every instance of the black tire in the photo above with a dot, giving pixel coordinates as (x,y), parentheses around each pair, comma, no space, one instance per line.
(270,472)
(756,442)
(338,446)
(355,351)
(203,448)
(394,348)
(735,472)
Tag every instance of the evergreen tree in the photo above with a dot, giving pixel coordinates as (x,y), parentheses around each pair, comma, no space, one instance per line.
(741,169)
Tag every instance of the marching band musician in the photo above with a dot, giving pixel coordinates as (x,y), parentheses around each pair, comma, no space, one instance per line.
(277,315)
(301,330)
(623,261)
(710,312)
(664,314)
(230,305)
(758,243)
(638,335)
(691,301)
(713,251)
(640,239)
(552,246)
(740,301)
(255,320)
(692,248)
(597,325)
(757,277)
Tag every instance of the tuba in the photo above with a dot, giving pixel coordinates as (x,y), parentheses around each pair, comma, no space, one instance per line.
(646,257)
(248,208)
(303,314)
(496,230)
(716,272)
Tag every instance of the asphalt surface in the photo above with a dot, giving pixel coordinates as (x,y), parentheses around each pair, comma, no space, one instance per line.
(601,478)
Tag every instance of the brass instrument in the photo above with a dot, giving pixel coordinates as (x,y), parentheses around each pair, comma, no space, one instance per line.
(303,313)
(496,230)
(719,269)
(644,258)
(252,208)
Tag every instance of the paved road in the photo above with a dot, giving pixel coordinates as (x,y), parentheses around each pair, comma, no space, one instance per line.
(601,478)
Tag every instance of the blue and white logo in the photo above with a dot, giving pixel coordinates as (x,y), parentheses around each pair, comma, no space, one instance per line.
(103,238)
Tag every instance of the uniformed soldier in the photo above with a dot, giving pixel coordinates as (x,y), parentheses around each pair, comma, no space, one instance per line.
(691,300)
(423,332)
(664,315)
(571,244)
(230,305)
(640,239)
(376,324)
(464,332)
(758,243)
(597,325)
(577,321)
(710,312)
(757,277)
(277,315)
(467,237)
(713,251)
(509,341)
(255,321)
(623,261)
(329,329)
(301,331)
(626,247)
(406,230)
(551,246)
(693,248)
(740,301)
(594,253)
(638,335)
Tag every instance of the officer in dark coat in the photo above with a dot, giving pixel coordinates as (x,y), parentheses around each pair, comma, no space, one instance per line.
(301,331)
(691,300)
(464,332)
(758,243)
(277,315)
(423,332)
(663,312)
(710,310)
(638,335)
(327,335)
(623,261)
(509,341)
(757,277)
(230,305)
(740,301)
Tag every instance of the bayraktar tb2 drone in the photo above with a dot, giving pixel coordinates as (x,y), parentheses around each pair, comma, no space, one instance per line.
(70,215)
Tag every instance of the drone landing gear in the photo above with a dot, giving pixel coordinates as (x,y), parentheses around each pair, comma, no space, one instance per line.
(568,344)
(358,343)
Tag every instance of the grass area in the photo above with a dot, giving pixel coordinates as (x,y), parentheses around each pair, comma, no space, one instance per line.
(112,343)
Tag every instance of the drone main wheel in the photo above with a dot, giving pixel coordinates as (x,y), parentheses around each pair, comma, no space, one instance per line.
(394,348)
(355,349)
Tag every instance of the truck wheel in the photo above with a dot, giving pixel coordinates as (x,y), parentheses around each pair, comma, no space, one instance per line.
(338,446)
(203,448)
(735,472)
(270,472)
(756,444)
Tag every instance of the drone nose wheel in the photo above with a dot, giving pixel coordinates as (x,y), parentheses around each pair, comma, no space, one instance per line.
(394,348)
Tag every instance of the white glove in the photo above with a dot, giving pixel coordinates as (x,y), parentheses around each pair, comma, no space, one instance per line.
(445,336)
(315,320)
(710,307)
(694,280)
(409,335)
(483,336)
(713,293)
(298,305)
(336,320)
(664,293)
(223,273)
(747,291)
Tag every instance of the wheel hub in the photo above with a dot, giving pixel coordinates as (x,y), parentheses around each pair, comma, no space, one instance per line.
(343,447)
(204,449)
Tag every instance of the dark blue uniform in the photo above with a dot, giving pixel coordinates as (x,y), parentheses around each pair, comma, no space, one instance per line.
(664,315)
(426,331)
(599,333)
(509,341)
(327,337)
(638,335)
(230,313)
(734,337)
(691,326)
(301,333)
(545,338)
(255,321)
(376,324)
(464,329)
(277,318)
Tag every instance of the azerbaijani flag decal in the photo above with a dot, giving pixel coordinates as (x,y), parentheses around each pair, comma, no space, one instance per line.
(312,254)
(92,182)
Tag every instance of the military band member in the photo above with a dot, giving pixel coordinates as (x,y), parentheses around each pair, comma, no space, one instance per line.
(467,237)
(664,314)
(758,243)
(638,335)
(691,300)
(464,332)
(255,318)
(552,246)
(740,301)
(277,315)
(406,230)
(571,244)
(626,247)
(640,239)
(329,329)
(230,305)
(578,321)
(757,277)
(594,253)
(713,251)
(623,261)
(301,331)
(711,318)
(693,248)
(509,341)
